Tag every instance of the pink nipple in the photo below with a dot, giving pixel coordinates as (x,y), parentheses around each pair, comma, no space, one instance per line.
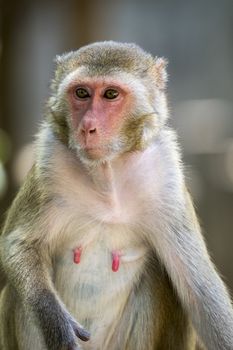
(115,261)
(77,255)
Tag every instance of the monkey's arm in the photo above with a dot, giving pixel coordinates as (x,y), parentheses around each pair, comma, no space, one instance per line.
(2,278)
(182,250)
(26,262)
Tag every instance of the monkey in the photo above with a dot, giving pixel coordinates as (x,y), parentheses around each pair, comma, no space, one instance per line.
(101,248)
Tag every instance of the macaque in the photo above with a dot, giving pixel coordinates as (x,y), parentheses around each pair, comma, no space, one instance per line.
(101,249)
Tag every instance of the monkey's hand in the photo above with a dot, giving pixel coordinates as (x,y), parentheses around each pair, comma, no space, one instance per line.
(59,328)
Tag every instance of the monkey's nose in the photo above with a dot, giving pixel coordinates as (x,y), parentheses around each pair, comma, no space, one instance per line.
(92,131)
(88,128)
(86,132)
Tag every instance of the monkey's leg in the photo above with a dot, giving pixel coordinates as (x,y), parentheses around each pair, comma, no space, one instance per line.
(8,339)
(30,277)
(18,329)
(180,246)
(153,318)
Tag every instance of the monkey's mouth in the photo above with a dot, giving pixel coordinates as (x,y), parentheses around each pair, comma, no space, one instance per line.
(99,150)
(94,152)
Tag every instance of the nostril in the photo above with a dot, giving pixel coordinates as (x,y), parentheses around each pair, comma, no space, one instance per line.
(85,131)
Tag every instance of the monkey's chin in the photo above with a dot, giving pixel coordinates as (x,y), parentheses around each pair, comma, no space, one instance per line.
(94,156)
(94,153)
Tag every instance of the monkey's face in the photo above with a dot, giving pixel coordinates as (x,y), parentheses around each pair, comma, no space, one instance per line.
(104,115)
(108,99)
(98,109)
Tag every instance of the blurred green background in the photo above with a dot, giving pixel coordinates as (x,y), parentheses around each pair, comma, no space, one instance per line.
(195,36)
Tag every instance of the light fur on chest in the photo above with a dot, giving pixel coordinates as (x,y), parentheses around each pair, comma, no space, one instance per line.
(100,213)
(93,293)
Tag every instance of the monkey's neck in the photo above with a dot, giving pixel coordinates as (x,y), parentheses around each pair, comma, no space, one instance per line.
(104,180)
(103,177)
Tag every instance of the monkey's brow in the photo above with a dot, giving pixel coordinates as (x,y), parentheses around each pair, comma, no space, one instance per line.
(81,76)
(98,81)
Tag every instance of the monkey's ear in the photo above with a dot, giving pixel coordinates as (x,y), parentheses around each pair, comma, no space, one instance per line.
(160,72)
(63,58)
(58,59)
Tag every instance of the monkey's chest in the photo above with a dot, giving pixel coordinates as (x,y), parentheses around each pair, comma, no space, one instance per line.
(94,277)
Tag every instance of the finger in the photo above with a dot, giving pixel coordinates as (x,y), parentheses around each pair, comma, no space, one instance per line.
(82,334)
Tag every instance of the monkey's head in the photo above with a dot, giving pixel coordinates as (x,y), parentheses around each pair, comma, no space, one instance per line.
(108,98)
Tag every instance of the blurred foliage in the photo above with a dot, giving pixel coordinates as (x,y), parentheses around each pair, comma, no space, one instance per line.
(5,146)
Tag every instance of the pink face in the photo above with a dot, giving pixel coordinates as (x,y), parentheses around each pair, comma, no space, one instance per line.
(98,109)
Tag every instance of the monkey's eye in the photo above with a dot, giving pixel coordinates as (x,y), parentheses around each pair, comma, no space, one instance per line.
(82,93)
(111,94)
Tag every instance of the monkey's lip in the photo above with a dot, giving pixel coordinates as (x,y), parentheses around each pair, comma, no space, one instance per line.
(94,152)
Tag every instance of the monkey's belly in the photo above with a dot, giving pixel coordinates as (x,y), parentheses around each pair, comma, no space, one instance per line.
(92,292)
